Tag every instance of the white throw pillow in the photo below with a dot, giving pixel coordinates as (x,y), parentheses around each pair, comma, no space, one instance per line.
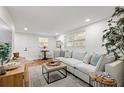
(87,58)
(68,54)
(104,60)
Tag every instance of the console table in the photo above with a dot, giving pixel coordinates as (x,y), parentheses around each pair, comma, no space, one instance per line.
(15,77)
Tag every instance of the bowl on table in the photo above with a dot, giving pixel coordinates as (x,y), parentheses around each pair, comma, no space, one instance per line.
(54,63)
(11,65)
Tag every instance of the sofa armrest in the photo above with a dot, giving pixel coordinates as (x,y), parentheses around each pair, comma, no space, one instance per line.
(116,69)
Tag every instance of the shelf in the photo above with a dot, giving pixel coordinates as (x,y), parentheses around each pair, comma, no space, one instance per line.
(76,39)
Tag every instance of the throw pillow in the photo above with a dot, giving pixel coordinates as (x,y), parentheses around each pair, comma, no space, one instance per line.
(95,58)
(87,58)
(104,60)
(62,53)
(68,53)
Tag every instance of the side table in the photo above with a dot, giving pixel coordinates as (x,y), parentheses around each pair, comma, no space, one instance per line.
(102,79)
(44,52)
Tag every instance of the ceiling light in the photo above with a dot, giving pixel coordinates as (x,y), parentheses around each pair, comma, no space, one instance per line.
(87,20)
(57,33)
(25,28)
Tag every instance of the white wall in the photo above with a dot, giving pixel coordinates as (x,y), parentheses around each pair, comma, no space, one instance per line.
(5,36)
(93,37)
(30,41)
(7,19)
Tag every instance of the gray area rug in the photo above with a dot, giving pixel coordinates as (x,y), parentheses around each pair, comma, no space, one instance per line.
(36,79)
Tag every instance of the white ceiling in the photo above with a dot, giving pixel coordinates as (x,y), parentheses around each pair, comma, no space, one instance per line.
(49,20)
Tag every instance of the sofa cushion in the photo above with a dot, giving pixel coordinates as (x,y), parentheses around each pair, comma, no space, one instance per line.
(62,53)
(68,53)
(87,58)
(95,58)
(78,55)
(104,60)
(71,61)
(85,68)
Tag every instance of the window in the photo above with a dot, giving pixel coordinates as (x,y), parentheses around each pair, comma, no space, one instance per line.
(43,41)
(76,39)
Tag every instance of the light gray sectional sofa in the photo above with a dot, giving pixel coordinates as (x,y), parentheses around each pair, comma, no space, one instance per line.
(77,66)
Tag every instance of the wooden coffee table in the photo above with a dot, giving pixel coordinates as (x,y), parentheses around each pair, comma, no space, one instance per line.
(46,70)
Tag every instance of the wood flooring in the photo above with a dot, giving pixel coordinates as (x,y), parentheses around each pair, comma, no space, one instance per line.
(33,63)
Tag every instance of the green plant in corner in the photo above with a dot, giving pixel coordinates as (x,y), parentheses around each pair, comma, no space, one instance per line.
(4,52)
(113,36)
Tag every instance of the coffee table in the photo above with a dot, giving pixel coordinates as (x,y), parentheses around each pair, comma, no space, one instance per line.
(46,70)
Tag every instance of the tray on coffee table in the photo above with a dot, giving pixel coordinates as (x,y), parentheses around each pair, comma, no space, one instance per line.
(54,63)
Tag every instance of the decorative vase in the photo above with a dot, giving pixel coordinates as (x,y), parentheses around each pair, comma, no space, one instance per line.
(15,55)
(44,47)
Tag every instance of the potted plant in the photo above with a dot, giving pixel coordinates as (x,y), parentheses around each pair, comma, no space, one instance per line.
(113,36)
(4,54)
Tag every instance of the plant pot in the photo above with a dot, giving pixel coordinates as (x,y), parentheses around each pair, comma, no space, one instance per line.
(2,70)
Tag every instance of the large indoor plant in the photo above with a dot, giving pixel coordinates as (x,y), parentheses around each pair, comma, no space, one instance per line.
(113,37)
(4,52)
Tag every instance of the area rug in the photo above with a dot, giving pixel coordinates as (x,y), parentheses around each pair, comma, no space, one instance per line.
(36,79)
